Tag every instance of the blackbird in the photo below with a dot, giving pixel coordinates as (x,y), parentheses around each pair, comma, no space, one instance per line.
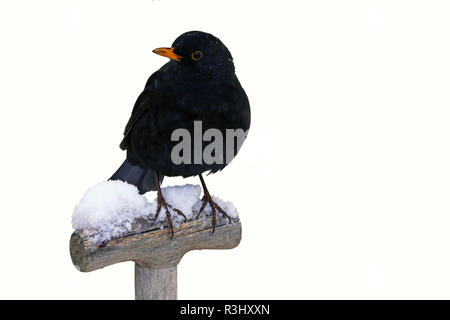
(198,84)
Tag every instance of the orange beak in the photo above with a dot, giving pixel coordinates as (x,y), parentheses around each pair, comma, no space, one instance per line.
(168,52)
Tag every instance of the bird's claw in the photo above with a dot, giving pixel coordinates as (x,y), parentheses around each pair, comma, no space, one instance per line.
(103,244)
(207,199)
(162,203)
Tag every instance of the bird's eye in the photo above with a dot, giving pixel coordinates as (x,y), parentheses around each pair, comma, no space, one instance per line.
(197,55)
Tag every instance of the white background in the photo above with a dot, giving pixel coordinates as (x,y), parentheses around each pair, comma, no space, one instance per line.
(342,185)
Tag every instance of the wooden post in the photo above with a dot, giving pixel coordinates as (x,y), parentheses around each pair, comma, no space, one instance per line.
(155,284)
(156,256)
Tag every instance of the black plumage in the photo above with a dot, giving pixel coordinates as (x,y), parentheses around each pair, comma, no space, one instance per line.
(198,84)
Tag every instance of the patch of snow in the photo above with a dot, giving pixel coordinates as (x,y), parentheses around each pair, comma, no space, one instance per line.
(227,206)
(109,208)
(182,198)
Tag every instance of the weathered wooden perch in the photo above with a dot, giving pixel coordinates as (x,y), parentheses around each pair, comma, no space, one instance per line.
(155,254)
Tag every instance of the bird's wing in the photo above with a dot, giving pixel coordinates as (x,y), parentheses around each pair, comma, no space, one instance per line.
(141,106)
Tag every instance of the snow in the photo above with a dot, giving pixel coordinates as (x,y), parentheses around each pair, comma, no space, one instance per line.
(227,206)
(183,197)
(109,209)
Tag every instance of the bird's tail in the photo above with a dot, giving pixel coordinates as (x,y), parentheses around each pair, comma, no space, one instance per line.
(144,180)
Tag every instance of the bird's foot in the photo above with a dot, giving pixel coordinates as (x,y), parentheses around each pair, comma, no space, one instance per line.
(207,199)
(103,244)
(163,203)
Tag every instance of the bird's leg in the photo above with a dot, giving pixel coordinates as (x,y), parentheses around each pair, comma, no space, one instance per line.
(162,203)
(207,199)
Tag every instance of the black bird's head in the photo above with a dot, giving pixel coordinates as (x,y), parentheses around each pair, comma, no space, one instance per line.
(199,53)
